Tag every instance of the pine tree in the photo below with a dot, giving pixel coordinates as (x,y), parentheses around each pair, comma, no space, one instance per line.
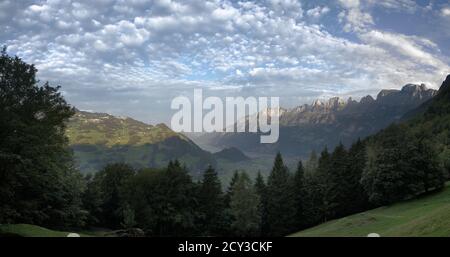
(245,208)
(212,206)
(323,187)
(229,191)
(312,163)
(260,185)
(281,205)
(261,190)
(299,189)
(313,211)
(323,163)
(109,182)
(175,202)
(358,199)
(338,189)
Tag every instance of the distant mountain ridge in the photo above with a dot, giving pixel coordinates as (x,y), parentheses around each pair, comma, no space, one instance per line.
(105,129)
(231,154)
(329,111)
(99,138)
(326,123)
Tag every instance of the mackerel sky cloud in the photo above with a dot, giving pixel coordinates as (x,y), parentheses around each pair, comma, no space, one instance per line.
(131,57)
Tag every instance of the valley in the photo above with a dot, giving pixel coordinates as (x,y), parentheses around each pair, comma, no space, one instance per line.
(99,138)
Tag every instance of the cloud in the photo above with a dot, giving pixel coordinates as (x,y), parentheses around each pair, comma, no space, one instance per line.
(355,20)
(350,4)
(132,56)
(409,47)
(409,6)
(445,11)
(317,11)
(353,17)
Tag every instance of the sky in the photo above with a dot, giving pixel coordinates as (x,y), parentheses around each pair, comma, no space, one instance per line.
(132,57)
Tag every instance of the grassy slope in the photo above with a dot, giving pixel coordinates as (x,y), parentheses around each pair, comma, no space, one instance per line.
(99,138)
(427,216)
(27,230)
(86,128)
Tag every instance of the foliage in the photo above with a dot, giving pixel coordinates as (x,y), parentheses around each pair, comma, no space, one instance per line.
(245,208)
(299,193)
(399,166)
(212,205)
(281,207)
(164,201)
(103,194)
(261,190)
(38,183)
(428,215)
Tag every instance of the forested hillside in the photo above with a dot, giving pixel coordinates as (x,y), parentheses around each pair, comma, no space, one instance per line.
(426,216)
(99,138)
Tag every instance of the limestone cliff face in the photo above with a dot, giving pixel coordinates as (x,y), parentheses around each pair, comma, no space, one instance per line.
(328,122)
(328,112)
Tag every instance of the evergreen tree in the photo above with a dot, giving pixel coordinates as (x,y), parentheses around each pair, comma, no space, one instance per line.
(299,189)
(164,201)
(324,186)
(178,202)
(228,217)
(312,163)
(323,163)
(357,198)
(313,206)
(260,185)
(281,205)
(110,181)
(245,208)
(261,190)
(229,191)
(212,206)
(339,189)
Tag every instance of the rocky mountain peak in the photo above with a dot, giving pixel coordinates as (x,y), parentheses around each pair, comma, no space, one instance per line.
(420,91)
(300,108)
(316,103)
(335,102)
(350,100)
(445,87)
(414,88)
(269,112)
(407,93)
(386,92)
(367,99)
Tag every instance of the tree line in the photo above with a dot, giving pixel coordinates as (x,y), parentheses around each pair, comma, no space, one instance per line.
(167,202)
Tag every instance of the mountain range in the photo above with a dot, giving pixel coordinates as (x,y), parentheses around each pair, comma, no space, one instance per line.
(326,123)
(100,138)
